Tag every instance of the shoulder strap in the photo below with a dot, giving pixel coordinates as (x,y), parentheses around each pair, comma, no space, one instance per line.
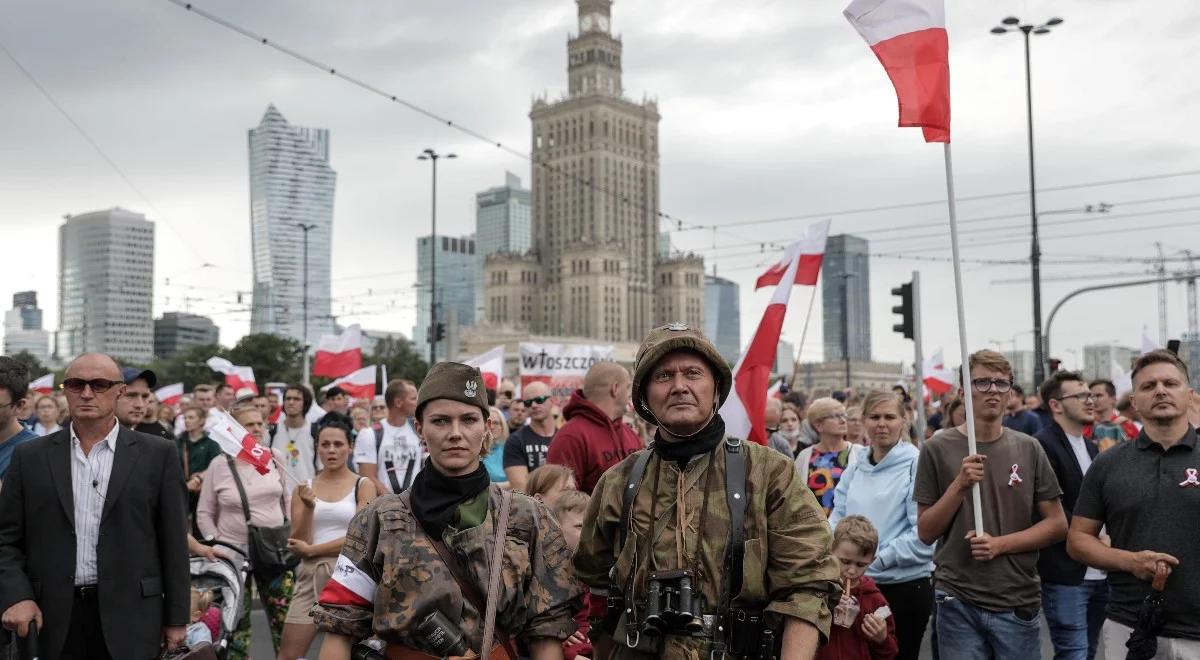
(237,480)
(377,429)
(631,485)
(497,564)
(735,496)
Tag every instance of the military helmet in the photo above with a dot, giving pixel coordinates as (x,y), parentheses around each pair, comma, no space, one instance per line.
(666,339)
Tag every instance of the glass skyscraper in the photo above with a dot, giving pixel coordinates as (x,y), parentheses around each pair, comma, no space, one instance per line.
(846,255)
(722,316)
(291,184)
(502,224)
(456,260)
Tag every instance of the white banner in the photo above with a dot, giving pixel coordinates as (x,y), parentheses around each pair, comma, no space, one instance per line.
(561,366)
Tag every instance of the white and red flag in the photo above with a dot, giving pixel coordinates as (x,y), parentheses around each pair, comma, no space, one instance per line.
(938,379)
(776,391)
(909,38)
(43,385)
(812,253)
(169,394)
(358,384)
(745,410)
(236,376)
(491,365)
(338,355)
(237,441)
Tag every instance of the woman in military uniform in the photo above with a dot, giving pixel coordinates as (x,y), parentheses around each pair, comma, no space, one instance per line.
(396,577)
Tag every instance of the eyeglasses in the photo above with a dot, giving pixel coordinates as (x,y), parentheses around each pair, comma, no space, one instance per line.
(1082,397)
(507,393)
(841,416)
(98,385)
(537,400)
(379,407)
(1000,385)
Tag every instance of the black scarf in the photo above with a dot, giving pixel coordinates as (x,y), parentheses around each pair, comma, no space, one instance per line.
(435,497)
(682,451)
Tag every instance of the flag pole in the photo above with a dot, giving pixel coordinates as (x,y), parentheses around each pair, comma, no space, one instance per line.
(977,507)
(803,334)
(279,464)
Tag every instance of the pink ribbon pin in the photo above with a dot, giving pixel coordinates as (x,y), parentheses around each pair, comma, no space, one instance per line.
(1014,478)
(1192,481)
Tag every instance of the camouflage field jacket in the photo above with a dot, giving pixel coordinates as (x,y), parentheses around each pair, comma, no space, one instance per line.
(387,552)
(788,567)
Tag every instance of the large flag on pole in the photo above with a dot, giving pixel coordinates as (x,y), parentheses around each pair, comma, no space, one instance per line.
(237,441)
(43,385)
(358,384)
(338,355)
(745,410)
(812,253)
(491,365)
(169,394)
(938,379)
(236,376)
(909,38)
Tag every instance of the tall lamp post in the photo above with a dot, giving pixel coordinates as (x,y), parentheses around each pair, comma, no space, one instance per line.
(305,228)
(1013,24)
(433,156)
(846,324)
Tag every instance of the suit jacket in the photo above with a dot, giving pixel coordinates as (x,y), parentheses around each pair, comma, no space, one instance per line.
(1054,564)
(141,551)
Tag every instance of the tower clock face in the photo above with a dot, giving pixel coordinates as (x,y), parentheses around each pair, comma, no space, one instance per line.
(585,23)
(602,23)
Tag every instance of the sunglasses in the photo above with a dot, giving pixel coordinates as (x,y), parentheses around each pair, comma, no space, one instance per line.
(98,385)
(537,399)
(507,393)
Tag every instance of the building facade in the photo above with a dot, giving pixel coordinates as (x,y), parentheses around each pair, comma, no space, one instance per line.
(846,298)
(106,285)
(291,185)
(1022,362)
(176,332)
(723,318)
(23,328)
(1099,360)
(864,376)
(503,223)
(456,260)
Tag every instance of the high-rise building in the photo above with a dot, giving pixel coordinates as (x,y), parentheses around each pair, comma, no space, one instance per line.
(722,318)
(1099,360)
(455,289)
(785,359)
(106,285)
(595,271)
(503,224)
(1022,365)
(23,328)
(176,332)
(291,184)
(846,298)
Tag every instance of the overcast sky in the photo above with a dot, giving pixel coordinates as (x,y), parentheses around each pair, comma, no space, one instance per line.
(770,109)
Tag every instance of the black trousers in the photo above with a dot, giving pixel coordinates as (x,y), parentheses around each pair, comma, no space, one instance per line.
(85,638)
(911,603)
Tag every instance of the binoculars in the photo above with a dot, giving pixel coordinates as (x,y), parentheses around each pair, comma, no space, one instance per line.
(671,607)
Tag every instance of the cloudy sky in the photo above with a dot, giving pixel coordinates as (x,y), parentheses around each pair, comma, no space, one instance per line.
(771,110)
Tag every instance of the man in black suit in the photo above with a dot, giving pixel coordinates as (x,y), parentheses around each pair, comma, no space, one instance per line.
(1073,595)
(93,520)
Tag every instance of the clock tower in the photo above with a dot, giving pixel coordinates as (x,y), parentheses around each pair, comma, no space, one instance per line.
(594,55)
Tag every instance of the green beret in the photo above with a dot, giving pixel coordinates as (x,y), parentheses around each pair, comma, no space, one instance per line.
(454,381)
(669,338)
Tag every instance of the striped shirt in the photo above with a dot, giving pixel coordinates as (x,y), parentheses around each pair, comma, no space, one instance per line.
(89,483)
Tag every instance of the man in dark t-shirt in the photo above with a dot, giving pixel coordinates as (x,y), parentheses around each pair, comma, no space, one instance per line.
(525,450)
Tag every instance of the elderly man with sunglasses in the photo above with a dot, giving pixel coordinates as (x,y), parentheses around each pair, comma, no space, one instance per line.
(93,544)
(526,448)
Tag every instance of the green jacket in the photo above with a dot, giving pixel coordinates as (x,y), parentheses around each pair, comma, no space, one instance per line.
(788,569)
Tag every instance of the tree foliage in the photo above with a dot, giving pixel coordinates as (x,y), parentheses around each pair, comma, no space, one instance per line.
(32,365)
(401,360)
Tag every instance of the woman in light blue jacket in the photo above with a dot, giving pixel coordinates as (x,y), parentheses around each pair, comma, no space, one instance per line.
(879,485)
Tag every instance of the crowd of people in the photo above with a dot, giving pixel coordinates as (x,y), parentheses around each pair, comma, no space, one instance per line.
(849,536)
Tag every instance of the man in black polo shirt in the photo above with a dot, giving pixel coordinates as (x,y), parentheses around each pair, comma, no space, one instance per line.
(1147,494)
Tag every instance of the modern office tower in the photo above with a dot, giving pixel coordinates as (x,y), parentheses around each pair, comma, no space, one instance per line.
(176,332)
(846,298)
(503,224)
(23,328)
(1099,359)
(455,290)
(722,316)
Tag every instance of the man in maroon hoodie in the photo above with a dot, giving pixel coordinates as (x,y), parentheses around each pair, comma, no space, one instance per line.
(594,437)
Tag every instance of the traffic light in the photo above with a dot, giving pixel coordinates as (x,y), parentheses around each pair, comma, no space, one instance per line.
(1055,365)
(435,332)
(441,331)
(904,309)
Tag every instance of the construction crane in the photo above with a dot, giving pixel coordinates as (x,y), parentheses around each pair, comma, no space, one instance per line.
(1193,324)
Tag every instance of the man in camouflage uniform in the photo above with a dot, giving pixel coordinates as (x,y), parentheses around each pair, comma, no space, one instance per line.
(680,519)
(390,577)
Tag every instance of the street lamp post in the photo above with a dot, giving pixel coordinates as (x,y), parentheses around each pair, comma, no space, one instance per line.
(433,156)
(846,324)
(1013,24)
(305,228)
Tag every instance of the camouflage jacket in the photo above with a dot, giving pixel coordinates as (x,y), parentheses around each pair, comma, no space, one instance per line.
(788,569)
(387,554)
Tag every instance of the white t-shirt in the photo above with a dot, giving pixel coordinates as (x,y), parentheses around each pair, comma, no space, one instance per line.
(1085,461)
(398,458)
(297,449)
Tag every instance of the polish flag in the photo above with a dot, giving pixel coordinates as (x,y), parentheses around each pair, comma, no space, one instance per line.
(169,394)
(236,376)
(491,365)
(349,585)
(776,391)
(43,385)
(938,379)
(745,410)
(338,355)
(812,253)
(237,441)
(358,384)
(909,38)
(1122,379)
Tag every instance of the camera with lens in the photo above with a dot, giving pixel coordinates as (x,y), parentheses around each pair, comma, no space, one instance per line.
(671,606)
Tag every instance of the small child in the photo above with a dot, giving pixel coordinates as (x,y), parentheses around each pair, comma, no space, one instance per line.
(569,510)
(863,626)
(205,620)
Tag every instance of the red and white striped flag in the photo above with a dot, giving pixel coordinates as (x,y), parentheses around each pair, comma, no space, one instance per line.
(43,385)
(491,365)
(358,385)
(169,394)
(236,376)
(744,411)
(338,355)
(937,378)
(237,441)
(909,38)
(812,253)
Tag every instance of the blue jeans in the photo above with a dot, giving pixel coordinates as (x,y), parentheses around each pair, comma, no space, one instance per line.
(965,631)
(1075,615)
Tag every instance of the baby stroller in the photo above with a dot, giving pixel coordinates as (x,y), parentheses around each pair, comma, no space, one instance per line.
(225,578)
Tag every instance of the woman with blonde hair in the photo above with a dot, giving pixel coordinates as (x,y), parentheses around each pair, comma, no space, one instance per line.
(822,464)
(549,482)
